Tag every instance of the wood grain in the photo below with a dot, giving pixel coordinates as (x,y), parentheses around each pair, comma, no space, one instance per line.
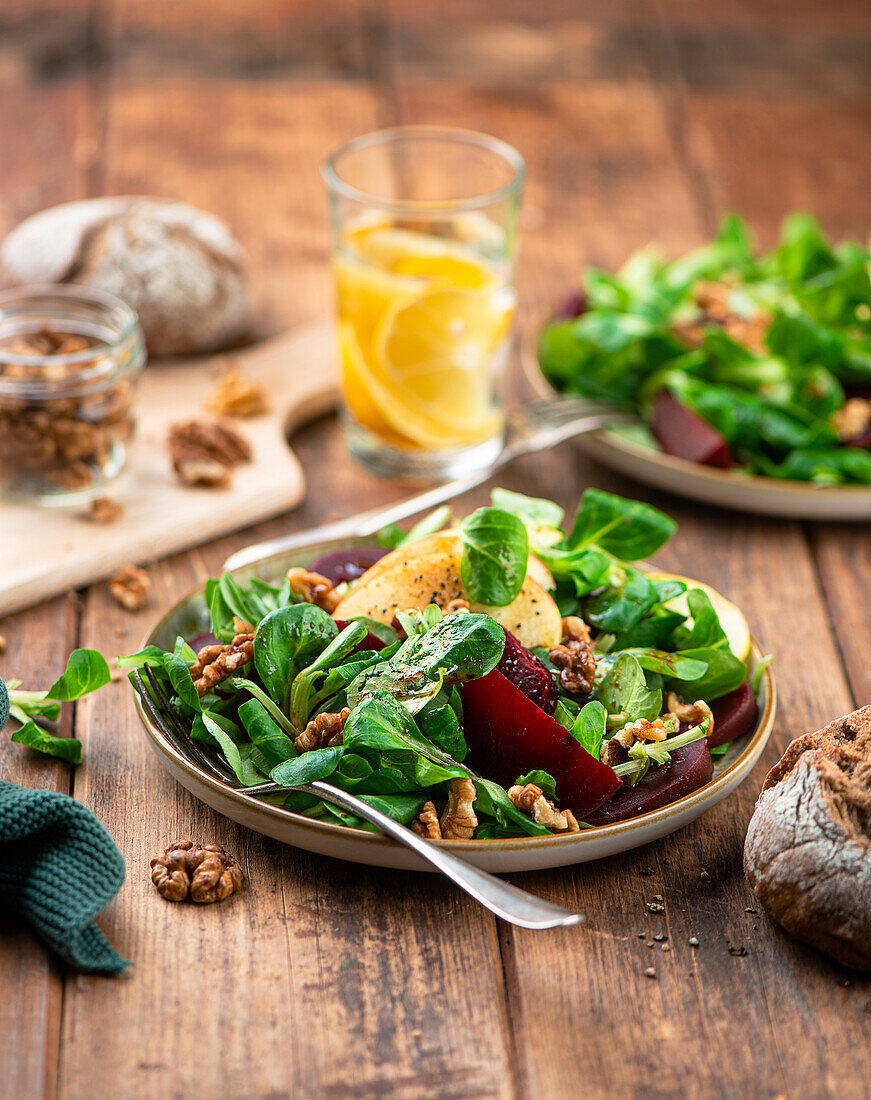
(640,122)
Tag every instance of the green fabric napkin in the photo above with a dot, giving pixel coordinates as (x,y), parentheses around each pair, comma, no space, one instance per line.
(58,868)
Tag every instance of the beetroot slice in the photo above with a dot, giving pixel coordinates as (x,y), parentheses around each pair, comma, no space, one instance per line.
(370,641)
(734,715)
(508,735)
(691,767)
(683,434)
(528,674)
(340,566)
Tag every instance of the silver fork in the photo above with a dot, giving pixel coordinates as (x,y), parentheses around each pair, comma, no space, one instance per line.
(506,901)
(534,427)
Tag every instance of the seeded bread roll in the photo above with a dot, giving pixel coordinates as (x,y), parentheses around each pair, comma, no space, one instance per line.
(179,268)
(808,849)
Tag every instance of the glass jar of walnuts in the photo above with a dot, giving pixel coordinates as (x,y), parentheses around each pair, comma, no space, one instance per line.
(69,360)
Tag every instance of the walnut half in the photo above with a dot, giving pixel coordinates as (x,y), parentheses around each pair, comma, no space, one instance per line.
(807,854)
(530,799)
(203,874)
(203,453)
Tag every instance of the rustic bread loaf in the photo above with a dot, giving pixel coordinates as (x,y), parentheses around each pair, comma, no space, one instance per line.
(179,268)
(808,849)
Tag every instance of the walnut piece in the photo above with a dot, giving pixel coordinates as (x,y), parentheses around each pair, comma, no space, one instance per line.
(530,799)
(453,606)
(203,874)
(458,820)
(131,587)
(426,824)
(713,299)
(641,730)
(575,657)
(323,731)
(204,453)
(852,419)
(691,713)
(216,662)
(239,396)
(314,588)
(807,854)
(105,510)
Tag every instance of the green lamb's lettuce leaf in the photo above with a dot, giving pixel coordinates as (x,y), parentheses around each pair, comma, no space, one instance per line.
(624,690)
(317,764)
(287,641)
(251,602)
(266,733)
(627,529)
(495,556)
(237,757)
(35,737)
(704,631)
(456,649)
(725,672)
(86,671)
(588,728)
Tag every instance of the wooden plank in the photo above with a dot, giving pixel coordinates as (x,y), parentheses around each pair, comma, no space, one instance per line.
(49,126)
(322,979)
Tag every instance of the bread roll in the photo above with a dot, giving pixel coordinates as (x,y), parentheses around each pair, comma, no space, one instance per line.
(179,268)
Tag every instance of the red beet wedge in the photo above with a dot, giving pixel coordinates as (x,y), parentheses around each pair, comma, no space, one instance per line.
(734,715)
(508,735)
(528,674)
(691,767)
(683,434)
(347,565)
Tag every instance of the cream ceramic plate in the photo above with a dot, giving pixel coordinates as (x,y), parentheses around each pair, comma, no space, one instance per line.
(189,617)
(766,496)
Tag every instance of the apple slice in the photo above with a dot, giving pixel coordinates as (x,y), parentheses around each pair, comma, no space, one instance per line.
(528,674)
(734,715)
(682,433)
(508,735)
(691,767)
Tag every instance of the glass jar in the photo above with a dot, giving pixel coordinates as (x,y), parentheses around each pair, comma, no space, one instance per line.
(70,357)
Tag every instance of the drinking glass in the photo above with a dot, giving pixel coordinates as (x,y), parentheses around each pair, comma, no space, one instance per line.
(423,226)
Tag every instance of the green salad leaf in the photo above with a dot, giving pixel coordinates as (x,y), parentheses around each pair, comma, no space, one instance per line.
(495,556)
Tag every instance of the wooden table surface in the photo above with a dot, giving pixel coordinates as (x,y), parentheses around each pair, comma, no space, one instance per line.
(641,120)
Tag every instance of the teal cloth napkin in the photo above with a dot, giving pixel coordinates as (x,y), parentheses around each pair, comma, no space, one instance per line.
(58,868)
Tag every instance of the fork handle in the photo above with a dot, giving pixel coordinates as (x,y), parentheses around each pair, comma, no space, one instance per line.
(508,902)
(367,523)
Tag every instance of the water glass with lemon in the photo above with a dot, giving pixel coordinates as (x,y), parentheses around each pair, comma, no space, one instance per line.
(423,223)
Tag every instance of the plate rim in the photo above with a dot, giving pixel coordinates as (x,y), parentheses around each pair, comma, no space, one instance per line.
(736,773)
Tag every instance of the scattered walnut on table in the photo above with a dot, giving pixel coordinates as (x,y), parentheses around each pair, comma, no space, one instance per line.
(314,588)
(105,510)
(323,731)
(530,799)
(458,821)
(203,874)
(204,453)
(575,657)
(426,824)
(239,396)
(131,587)
(216,662)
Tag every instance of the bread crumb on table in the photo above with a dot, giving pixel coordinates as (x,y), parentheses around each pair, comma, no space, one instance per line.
(237,395)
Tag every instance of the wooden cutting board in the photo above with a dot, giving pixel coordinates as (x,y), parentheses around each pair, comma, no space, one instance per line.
(44,551)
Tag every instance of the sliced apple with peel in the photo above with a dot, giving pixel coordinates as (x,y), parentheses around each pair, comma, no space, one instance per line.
(428,571)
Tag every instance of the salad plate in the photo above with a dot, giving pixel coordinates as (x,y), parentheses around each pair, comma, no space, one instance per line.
(750,374)
(193,617)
